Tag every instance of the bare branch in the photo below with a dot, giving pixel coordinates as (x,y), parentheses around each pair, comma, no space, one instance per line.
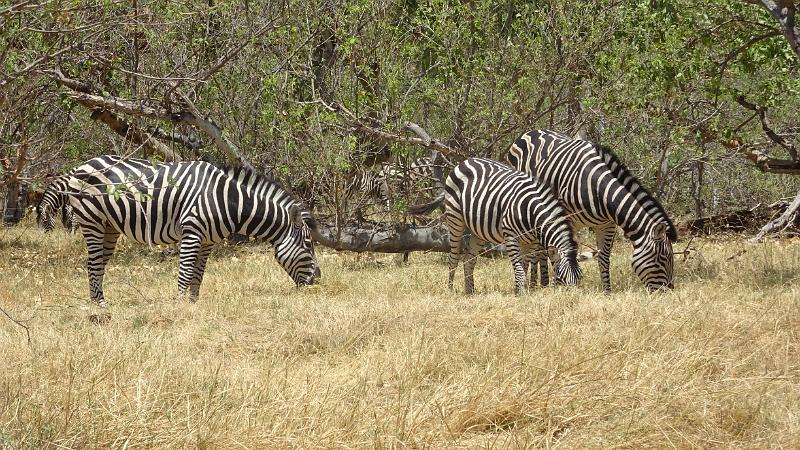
(80,93)
(781,222)
(775,137)
(419,131)
(193,117)
(360,125)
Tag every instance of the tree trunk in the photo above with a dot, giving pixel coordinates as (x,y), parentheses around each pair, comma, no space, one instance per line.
(11,209)
(697,189)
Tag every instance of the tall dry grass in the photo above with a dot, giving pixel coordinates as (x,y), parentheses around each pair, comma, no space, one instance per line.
(384,356)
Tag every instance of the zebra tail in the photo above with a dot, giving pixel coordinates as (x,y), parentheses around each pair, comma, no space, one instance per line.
(427,208)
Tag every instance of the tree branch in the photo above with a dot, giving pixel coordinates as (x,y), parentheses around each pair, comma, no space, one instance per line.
(781,222)
(775,137)
(361,125)
(194,118)
(395,238)
(762,161)
(82,93)
(783,11)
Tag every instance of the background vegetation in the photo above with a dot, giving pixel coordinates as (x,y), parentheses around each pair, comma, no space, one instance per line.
(700,99)
(674,86)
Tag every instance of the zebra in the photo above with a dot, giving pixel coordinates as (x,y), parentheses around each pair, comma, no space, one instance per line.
(599,192)
(423,174)
(194,202)
(500,205)
(369,185)
(46,214)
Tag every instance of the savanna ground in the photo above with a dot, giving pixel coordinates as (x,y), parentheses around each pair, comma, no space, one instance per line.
(384,356)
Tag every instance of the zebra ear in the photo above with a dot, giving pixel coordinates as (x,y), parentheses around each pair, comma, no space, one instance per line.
(659,231)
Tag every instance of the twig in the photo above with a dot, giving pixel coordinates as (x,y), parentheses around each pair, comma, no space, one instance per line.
(27,330)
(775,137)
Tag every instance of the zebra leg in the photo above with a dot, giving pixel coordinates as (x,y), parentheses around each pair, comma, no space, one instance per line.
(99,246)
(512,246)
(473,248)
(456,232)
(199,270)
(544,278)
(528,260)
(190,248)
(605,239)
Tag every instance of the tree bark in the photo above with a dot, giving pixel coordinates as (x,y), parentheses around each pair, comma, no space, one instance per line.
(390,238)
(11,210)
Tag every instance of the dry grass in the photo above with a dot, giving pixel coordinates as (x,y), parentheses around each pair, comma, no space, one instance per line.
(384,356)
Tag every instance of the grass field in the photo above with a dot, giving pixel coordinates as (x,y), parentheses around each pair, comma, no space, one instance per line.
(384,356)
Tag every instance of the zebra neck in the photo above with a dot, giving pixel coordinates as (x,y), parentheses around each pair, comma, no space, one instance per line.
(261,213)
(632,218)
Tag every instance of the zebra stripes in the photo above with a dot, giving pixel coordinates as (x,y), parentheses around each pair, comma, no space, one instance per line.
(194,202)
(500,205)
(367,186)
(423,174)
(47,211)
(599,192)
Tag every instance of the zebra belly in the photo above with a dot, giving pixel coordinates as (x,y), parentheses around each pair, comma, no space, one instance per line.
(582,219)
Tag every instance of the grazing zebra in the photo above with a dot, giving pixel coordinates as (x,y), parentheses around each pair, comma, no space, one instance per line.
(500,205)
(194,202)
(423,174)
(46,214)
(537,258)
(68,219)
(369,185)
(599,192)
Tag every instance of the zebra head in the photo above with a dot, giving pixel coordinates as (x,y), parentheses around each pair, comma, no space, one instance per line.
(296,252)
(46,213)
(653,258)
(565,265)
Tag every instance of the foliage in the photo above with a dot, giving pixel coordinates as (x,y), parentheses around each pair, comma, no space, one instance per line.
(655,80)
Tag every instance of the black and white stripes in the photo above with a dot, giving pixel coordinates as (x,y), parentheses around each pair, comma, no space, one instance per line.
(195,203)
(500,205)
(599,192)
(56,204)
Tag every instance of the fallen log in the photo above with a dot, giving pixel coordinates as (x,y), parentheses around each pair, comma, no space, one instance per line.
(389,238)
(742,221)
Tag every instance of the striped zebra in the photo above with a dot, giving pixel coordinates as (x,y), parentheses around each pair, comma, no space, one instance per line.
(369,185)
(500,205)
(194,202)
(599,192)
(47,215)
(425,174)
(422,175)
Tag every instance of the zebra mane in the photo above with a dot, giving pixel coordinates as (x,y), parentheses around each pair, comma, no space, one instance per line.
(621,172)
